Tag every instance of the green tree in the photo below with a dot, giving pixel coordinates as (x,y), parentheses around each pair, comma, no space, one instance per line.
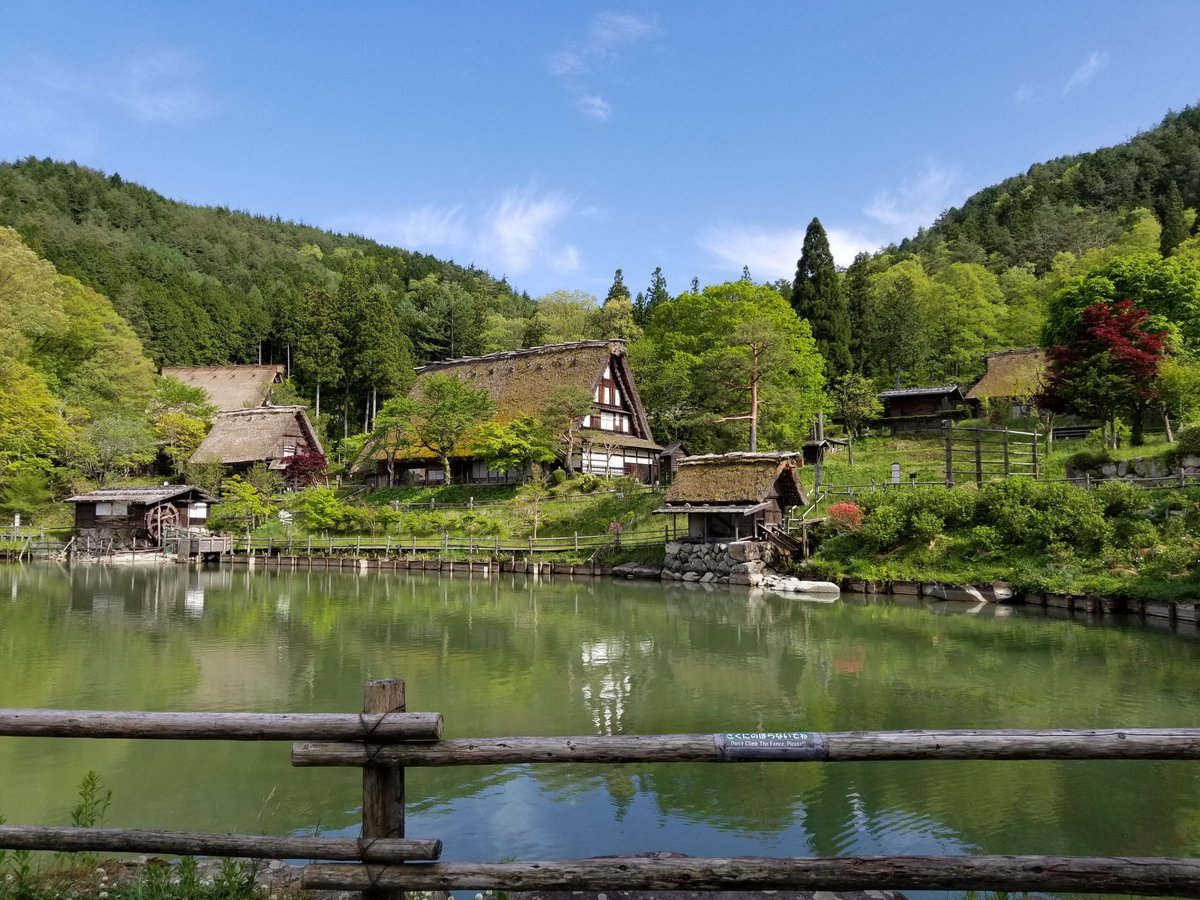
(515,445)
(897,322)
(854,401)
(1173,217)
(564,413)
(442,412)
(656,295)
(242,504)
(319,348)
(817,297)
(748,359)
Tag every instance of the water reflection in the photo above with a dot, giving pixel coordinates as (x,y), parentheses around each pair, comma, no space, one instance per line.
(513,655)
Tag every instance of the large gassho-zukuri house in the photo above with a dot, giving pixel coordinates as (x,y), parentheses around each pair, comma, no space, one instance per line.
(614,439)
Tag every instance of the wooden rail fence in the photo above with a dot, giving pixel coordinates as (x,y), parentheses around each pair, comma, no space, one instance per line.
(384,740)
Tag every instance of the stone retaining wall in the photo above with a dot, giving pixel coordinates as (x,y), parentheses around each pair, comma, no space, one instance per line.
(736,562)
(1139,467)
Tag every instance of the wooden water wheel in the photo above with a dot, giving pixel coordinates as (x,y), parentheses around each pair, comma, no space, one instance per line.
(161,518)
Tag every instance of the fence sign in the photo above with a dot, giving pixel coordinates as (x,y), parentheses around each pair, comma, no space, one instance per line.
(799,745)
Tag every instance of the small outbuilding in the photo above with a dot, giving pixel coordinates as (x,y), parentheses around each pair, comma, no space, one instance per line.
(673,454)
(922,408)
(267,435)
(134,518)
(731,496)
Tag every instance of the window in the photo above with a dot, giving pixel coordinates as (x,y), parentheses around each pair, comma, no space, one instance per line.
(197,512)
(289,449)
(110,509)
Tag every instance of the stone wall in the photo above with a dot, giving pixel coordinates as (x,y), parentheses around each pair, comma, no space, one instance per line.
(1139,467)
(735,562)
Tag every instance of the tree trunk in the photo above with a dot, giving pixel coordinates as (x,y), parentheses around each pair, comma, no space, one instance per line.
(1167,425)
(446,468)
(850,448)
(318,400)
(1137,425)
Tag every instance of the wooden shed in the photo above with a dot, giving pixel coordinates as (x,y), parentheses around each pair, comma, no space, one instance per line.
(922,408)
(734,495)
(133,518)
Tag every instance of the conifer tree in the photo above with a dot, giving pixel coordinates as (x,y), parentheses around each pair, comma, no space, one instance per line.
(656,295)
(1174,222)
(816,296)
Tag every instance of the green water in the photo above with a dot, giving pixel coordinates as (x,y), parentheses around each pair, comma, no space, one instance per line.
(513,656)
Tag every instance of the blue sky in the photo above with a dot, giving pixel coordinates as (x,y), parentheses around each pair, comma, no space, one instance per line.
(554,142)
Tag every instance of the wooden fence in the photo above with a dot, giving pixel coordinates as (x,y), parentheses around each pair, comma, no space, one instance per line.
(387,545)
(384,739)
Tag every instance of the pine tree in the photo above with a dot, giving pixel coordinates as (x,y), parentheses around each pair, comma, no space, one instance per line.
(1174,222)
(655,296)
(857,292)
(816,296)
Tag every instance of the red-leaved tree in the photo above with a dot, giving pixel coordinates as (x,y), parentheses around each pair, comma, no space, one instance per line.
(306,469)
(1110,369)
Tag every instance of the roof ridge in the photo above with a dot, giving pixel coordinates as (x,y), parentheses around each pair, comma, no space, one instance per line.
(522,351)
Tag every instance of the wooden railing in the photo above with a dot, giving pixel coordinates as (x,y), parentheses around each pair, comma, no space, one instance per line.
(384,740)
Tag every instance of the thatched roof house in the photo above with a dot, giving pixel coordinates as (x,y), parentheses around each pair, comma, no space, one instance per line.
(128,518)
(734,495)
(246,438)
(229,387)
(1012,377)
(615,439)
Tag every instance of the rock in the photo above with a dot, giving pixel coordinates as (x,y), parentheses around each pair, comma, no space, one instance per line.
(707,577)
(906,587)
(743,551)
(800,586)
(1108,470)
(754,566)
(636,570)
(1190,461)
(746,579)
(691,576)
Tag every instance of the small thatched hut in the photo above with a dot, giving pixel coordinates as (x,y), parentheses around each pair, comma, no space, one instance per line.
(229,387)
(614,440)
(269,435)
(1012,379)
(132,518)
(734,495)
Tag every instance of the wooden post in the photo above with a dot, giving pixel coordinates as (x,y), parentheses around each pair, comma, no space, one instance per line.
(978,458)
(383,786)
(1036,472)
(948,434)
(1006,467)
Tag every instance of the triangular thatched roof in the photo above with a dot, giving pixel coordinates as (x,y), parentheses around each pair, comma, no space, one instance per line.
(521,382)
(257,435)
(229,387)
(1010,373)
(735,479)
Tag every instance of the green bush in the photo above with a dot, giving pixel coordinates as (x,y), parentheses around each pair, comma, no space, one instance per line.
(588,482)
(1135,534)
(1187,442)
(558,476)
(983,539)
(1089,460)
(883,528)
(926,525)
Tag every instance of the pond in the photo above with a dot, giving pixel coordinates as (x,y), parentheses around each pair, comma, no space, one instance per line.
(517,656)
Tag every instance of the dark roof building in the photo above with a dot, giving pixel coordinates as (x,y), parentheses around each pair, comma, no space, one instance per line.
(922,408)
(131,518)
(734,495)
(229,387)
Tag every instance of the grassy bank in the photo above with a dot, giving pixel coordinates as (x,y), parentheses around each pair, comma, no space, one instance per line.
(1114,540)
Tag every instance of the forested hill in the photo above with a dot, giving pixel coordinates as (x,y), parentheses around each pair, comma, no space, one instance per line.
(1077,203)
(205,285)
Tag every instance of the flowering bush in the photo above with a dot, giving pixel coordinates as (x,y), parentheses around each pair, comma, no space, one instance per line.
(615,528)
(845,516)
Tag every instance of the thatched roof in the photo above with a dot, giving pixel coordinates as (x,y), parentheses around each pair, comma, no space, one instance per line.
(257,435)
(229,387)
(521,382)
(147,496)
(737,480)
(1010,373)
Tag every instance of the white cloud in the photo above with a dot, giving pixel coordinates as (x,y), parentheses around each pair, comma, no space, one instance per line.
(1023,94)
(520,226)
(429,226)
(1096,63)
(917,202)
(584,61)
(771,254)
(595,107)
(511,235)
(159,88)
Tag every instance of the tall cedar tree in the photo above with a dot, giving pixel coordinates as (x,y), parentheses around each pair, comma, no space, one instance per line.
(1111,367)
(1174,221)
(816,296)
